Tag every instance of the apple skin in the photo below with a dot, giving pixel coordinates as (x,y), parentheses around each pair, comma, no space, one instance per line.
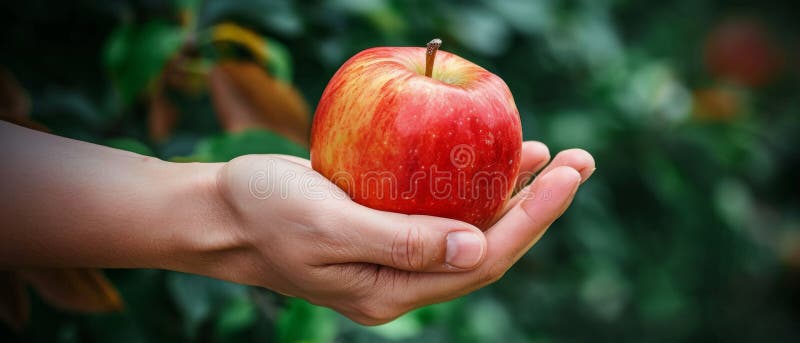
(395,140)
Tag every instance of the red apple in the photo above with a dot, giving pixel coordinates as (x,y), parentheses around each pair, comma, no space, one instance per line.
(394,139)
(742,51)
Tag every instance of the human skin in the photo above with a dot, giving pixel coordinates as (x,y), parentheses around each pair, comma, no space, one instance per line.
(71,204)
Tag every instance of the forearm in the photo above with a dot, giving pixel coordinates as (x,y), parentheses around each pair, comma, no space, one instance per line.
(67,203)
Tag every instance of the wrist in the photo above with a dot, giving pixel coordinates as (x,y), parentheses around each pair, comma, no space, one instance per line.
(202,225)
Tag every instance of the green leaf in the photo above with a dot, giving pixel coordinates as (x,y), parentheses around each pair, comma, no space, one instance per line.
(383,16)
(405,327)
(229,39)
(129,144)
(307,323)
(480,30)
(135,55)
(228,146)
(262,15)
(119,327)
(239,314)
(733,201)
(488,319)
(198,297)
(70,113)
(279,62)
(187,4)
(526,16)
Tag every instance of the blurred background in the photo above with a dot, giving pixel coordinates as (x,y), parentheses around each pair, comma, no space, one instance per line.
(689,230)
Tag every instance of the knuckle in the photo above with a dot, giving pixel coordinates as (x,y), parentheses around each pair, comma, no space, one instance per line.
(576,155)
(375,313)
(494,272)
(545,152)
(562,155)
(540,148)
(408,248)
(368,321)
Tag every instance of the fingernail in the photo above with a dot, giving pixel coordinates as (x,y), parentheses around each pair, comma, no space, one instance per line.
(464,249)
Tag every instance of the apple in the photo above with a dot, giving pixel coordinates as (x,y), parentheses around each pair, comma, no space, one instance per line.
(742,50)
(400,134)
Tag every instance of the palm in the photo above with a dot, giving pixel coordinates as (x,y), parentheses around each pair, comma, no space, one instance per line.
(355,265)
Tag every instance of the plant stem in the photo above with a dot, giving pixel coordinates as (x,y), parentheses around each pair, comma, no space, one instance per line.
(430,55)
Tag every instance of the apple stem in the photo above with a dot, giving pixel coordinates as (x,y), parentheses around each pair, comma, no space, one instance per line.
(430,55)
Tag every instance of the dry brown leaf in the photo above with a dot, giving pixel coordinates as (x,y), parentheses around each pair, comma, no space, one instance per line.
(14,103)
(245,96)
(14,302)
(25,122)
(715,104)
(81,290)
(162,117)
(186,72)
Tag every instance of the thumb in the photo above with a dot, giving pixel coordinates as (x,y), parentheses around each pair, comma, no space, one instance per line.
(412,242)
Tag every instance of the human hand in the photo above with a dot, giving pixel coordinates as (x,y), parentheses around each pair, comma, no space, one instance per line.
(296,233)
(263,220)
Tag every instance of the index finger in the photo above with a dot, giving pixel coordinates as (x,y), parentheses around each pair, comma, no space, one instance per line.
(298,160)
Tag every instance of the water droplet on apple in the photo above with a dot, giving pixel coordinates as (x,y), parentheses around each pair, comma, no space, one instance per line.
(490,139)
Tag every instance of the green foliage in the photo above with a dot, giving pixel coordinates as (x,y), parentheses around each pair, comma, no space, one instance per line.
(135,55)
(239,315)
(263,15)
(227,146)
(131,145)
(303,322)
(689,230)
(279,63)
(198,297)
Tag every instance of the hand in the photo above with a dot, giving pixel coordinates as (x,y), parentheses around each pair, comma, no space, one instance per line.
(298,234)
(264,220)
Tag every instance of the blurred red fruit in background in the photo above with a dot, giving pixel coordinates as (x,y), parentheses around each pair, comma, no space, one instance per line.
(742,51)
